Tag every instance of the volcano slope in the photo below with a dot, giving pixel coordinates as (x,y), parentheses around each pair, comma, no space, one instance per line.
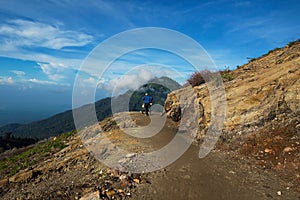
(74,173)
(262,121)
(257,155)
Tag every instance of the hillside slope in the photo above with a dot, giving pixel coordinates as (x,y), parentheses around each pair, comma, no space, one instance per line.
(257,155)
(262,110)
(63,168)
(261,91)
(63,122)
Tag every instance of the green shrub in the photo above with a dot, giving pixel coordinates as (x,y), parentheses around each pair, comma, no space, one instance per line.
(292,43)
(29,157)
(226,77)
(251,59)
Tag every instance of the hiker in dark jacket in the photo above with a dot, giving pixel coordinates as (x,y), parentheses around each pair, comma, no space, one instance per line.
(147,99)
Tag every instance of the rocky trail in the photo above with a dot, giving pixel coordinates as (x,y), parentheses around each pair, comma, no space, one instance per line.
(220,175)
(132,156)
(73,173)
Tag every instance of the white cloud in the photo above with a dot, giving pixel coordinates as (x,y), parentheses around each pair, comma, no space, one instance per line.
(20,38)
(24,33)
(6,80)
(42,82)
(91,81)
(18,72)
(53,70)
(128,81)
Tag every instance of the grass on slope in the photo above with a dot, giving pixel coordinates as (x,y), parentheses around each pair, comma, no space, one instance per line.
(13,164)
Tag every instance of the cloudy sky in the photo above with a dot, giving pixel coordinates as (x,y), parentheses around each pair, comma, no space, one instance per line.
(44,44)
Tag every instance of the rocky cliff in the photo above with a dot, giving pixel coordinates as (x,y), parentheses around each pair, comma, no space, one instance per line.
(262,119)
(265,89)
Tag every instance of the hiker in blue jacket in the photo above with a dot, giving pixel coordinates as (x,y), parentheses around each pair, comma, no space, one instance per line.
(147,103)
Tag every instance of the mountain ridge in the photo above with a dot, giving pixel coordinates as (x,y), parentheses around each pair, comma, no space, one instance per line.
(63,122)
(256,157)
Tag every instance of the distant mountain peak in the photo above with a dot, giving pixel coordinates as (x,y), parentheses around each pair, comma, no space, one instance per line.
(167,82)
(64,122)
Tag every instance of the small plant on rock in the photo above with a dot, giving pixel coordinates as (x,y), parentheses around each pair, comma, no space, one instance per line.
(199,78)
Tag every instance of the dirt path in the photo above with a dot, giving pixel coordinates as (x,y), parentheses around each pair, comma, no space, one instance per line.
(74,172)
(217,176)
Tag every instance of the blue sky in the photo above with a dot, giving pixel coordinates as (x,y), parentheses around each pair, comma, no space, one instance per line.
(44,43)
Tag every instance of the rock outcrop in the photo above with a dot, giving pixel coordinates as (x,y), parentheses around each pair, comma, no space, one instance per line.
(262,112)
(262,90)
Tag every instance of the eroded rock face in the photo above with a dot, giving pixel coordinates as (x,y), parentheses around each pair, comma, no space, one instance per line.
(184,105)
(263,90)
(172,107)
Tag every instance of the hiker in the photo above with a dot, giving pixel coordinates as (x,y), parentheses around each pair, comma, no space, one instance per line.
(147,99)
